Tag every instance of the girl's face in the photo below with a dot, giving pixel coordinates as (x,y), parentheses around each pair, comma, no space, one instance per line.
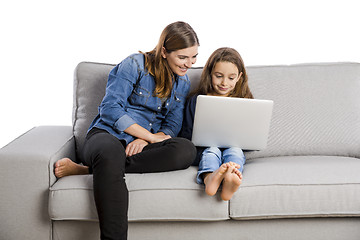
(224,78)
(181,60)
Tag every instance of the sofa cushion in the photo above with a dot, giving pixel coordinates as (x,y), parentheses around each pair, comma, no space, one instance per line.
(89,89)
(298,186)
(166,196)
(316,108)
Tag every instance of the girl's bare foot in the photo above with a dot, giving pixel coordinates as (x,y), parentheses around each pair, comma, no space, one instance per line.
(65,167)
(213,180)
(232,181)
(232,164)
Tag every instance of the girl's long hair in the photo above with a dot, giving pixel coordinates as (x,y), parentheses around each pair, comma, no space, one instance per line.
(225,54)
(175,36)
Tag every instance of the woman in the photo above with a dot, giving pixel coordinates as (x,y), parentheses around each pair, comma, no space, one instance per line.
(135,130)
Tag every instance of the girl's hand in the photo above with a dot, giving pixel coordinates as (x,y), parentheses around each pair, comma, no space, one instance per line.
(159,137)
(135,147)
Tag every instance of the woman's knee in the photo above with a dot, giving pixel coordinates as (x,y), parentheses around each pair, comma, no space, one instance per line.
(104,149)
(184,152)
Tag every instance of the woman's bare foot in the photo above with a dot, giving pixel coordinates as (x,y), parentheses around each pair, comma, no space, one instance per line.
(232,181)
(213,180)
(65,167)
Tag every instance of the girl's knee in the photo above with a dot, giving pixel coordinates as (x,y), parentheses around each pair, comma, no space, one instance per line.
(235,155)
(233,151)
(213,150)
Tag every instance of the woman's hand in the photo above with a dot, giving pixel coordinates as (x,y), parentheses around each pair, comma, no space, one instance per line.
(135,147)
(141,133)
(159,137)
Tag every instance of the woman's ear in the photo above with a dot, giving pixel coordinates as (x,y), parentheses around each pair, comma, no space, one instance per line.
(163,52)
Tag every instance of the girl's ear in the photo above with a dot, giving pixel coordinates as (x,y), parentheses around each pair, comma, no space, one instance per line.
(163,52)
(239,76)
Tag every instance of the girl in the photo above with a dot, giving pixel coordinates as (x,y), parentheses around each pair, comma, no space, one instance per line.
(223,75)
(137,124)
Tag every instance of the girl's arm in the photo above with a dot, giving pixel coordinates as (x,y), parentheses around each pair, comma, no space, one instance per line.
(188,122)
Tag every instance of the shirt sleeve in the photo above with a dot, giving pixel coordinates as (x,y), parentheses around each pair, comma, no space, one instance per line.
(188,122)
(120,85)
(173,120)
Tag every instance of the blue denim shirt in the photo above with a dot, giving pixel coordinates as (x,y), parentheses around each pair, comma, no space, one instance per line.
(130,99)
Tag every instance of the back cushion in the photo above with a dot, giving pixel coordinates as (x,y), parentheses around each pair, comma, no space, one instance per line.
(89,89)
(316,106)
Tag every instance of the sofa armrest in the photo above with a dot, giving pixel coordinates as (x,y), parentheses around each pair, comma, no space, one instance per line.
(26,173)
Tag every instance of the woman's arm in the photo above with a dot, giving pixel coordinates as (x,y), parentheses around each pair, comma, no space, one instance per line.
(173,121)
(119,87)
(143,139)
(139,132)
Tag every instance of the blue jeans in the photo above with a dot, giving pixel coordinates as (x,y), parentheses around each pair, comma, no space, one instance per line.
(213,157)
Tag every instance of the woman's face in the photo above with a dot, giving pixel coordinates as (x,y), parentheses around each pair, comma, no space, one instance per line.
(224,78)
(181,60)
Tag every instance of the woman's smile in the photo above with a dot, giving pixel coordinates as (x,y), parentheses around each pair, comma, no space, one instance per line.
(183,69)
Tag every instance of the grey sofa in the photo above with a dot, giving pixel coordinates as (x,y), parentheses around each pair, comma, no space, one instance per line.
(305,185)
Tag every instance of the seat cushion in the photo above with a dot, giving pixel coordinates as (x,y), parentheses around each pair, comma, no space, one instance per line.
(298,186)
(167,196)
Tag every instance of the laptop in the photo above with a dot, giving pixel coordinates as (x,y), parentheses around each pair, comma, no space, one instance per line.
(232,122)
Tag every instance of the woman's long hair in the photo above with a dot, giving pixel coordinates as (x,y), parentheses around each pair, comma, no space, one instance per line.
(175,36)
(225,54)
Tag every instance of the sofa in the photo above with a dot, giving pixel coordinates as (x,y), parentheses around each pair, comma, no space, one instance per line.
(304,185)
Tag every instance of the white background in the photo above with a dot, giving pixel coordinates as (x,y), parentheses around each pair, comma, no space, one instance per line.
(41,42)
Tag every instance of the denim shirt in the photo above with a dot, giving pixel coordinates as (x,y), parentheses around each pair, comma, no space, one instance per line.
(129,99)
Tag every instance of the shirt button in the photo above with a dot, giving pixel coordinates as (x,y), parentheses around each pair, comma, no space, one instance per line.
(167,104)
(140,93)
(150,124)
(159,107)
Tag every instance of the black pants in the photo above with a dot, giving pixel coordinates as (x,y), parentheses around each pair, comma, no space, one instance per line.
(106,158)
